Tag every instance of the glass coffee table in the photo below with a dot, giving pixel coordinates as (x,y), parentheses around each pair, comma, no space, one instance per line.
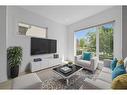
(74,69)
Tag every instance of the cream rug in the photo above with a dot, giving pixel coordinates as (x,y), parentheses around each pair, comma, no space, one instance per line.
(54,81)
(74,83)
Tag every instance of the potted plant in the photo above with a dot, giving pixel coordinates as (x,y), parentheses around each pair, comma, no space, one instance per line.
(14,56)
(70,63)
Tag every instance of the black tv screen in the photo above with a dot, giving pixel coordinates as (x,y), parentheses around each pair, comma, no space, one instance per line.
(43,46)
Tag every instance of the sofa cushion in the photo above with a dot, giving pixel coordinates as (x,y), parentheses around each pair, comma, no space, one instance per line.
(105,76)
(113,63)
(98,83)
(120,82)
(84,63)
(87,56)
(120,69)
(106,70)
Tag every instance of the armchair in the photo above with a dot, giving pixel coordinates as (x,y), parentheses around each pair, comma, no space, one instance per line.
(89,65)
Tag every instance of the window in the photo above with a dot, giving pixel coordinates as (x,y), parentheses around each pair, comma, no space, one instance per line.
(98,40)
(86,40)
(30,30)
(106,41)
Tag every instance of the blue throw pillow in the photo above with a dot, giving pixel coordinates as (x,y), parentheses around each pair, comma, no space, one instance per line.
(87,56)
(120,69)
(113,63)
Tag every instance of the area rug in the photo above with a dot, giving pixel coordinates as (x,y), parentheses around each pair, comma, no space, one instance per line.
(75,82)
(89,74)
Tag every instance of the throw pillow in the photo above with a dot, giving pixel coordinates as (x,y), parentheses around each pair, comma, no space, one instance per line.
(87,56)
(118,71)
(113,63)
(125,62)
(120,82)
(120,62)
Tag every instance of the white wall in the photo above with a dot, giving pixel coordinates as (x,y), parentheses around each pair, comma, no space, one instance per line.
(55,31)
(108,15)
(3,63)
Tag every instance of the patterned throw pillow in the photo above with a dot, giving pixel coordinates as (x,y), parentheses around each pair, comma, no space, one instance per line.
(120,82)
(119,69)
(113,63)
(120,62)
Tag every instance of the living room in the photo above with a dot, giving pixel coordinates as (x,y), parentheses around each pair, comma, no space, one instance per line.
(60,23)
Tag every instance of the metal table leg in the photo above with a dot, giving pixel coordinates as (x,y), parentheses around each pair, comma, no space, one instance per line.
(67,82)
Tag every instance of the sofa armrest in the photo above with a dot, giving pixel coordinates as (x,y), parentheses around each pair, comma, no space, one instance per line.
(94,58)
(94,63)
(98,83)
(107,63)
(78,57)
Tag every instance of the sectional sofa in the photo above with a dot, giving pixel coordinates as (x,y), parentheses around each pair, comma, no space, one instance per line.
(104,79)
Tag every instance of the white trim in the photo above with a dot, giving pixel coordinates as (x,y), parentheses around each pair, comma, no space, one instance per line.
(97,42)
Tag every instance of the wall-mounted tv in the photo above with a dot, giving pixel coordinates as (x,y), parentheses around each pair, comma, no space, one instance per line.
(43,46)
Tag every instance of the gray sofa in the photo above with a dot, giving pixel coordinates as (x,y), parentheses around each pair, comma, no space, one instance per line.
(90,65)
(104,80)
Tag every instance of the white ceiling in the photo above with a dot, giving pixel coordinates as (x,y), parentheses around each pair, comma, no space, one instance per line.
(66,14)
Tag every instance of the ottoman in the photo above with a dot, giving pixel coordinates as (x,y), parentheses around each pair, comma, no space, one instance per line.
(28,81)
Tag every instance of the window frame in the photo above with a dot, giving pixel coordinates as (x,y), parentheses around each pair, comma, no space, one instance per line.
(34,26)
(97,36)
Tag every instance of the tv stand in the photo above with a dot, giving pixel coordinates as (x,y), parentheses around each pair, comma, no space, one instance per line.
(44,63)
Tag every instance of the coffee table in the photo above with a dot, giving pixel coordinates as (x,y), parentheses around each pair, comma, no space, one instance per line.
(74,69)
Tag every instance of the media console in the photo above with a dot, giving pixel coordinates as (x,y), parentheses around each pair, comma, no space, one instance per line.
(44,63)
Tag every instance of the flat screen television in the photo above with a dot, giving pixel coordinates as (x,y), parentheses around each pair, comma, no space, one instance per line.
(43,46)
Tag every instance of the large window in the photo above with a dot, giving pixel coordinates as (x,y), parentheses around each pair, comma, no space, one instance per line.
(98,40)
(106,41)
(86,40)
